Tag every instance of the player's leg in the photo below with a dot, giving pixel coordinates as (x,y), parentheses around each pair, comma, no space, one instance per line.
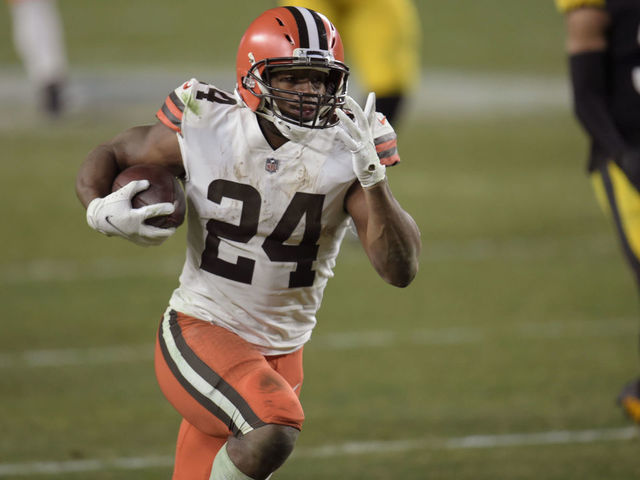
(195,451)
(270,445)
(619,198)
(232,396)
(201,456)
(384,39)
(38,38)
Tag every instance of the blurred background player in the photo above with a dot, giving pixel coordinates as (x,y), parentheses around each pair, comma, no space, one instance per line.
(39,41)
(603,45)
(382,38)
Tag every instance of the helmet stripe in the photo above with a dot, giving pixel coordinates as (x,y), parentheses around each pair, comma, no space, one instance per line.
(311,28)
(322,30)
(302,26)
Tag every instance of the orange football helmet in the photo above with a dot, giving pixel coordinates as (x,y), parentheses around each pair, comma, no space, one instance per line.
(289,38)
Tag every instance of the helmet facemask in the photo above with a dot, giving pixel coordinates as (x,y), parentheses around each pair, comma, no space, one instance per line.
(289,38)
(308,110)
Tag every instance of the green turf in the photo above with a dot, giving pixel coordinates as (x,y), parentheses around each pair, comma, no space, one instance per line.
(516,256)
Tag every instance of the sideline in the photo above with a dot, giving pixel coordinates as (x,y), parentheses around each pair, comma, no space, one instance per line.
(441,93)
(555,437)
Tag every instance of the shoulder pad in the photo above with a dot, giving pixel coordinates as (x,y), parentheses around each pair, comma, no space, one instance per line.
(568,5)
(384,137)
(211,94)
(174,106)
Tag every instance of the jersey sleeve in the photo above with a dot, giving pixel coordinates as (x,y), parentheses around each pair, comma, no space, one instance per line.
(386,142)
(172,111)
(568,5)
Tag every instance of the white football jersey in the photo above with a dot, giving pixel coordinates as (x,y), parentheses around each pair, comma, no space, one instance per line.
(264,225)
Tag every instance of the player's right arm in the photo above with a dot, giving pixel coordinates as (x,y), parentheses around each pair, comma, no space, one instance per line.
(153,144)
(112,213)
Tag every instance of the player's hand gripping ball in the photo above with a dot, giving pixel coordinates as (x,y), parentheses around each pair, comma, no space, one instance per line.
(164,187)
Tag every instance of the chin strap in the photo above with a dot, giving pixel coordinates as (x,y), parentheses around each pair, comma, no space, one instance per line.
(295,133)
(290,131)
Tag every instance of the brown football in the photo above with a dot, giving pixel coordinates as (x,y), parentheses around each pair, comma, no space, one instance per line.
(164,187)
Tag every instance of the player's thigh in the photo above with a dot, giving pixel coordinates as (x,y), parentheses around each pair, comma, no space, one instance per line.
(216,380)
(290,368)
(382,41)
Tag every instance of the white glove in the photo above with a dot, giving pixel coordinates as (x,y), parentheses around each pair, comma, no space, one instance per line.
(358,137)
(114,215)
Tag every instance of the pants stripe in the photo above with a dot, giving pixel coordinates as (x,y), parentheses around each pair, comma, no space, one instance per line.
(202,383)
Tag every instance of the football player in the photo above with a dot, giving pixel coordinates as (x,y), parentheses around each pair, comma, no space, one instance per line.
(383,39)
(39,40)
(273,173)
(604,62)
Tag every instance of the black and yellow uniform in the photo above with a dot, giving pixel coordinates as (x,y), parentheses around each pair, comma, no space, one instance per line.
(606,87)
(604,61)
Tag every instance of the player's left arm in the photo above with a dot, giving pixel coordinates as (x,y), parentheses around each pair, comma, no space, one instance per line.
(389,235)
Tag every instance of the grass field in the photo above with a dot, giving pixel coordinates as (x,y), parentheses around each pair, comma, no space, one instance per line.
(501,361)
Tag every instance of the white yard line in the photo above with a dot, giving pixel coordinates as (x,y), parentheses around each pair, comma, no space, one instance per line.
(68,357)
(75,466)
(69,270)
(557,437)
(448,336)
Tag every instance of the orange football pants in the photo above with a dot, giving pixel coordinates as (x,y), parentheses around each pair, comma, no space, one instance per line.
(222,386)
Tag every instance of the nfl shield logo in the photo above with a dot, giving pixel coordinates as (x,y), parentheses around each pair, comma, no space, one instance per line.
(271,165)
